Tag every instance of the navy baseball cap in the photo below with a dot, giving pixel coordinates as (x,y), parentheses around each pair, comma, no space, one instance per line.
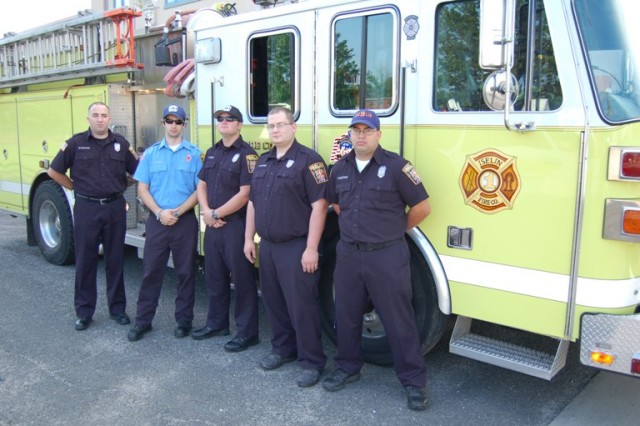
(367,117)
(176,110)
(231,110)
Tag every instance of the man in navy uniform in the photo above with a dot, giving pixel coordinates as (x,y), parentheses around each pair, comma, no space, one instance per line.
(99,161)
(287,208)
(167,177)
(223,192)
(370,189)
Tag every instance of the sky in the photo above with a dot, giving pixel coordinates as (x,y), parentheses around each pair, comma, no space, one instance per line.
(21,15)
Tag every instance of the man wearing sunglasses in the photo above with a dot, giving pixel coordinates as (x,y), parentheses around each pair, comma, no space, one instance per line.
(370,189)
(223,192)
(167,178)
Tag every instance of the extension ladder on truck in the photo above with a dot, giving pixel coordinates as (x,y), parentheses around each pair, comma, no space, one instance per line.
(81,47)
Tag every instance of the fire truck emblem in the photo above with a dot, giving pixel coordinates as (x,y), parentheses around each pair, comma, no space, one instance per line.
(490,181)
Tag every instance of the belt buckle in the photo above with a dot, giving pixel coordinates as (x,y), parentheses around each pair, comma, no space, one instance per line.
(103,201)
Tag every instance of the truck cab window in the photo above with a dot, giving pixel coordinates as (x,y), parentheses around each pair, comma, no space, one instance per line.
(272,81)
(458,76)
(613,56)
(364,60)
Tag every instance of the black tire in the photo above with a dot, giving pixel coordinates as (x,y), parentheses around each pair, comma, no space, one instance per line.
(430,320)
(53,224)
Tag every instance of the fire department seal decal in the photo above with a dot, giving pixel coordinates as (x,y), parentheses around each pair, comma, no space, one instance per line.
(490,181)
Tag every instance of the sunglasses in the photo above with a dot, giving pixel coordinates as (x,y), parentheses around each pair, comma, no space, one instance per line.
(170,121)
(221,119)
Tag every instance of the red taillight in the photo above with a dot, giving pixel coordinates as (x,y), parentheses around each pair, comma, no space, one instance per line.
(630,164)
(631,222)
(635,364)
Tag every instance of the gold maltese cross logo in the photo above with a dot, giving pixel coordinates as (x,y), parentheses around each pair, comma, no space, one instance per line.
(490,181)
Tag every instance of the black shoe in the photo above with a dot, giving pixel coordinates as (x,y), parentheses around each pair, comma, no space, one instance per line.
(239,344)
(308,378)
(416,398)
(273,361)
(83,323)
(122,319)
(339,379)
(182,329)
(206,332)
(137,332)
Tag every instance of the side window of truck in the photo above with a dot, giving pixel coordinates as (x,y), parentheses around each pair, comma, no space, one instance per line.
(272,66)
(459,80)
(364,63)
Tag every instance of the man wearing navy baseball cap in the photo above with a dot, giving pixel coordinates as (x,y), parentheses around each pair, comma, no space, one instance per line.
(167,179)
(175,110)
(370,189)
(366,117)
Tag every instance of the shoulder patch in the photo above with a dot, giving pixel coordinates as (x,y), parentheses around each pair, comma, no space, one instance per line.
(63,147)
(412,174)
(319,172)
(252,160)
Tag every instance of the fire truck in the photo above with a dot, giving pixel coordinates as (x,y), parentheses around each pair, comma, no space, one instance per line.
(522,118)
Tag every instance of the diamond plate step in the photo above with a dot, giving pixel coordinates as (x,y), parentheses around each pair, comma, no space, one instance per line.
(507,355)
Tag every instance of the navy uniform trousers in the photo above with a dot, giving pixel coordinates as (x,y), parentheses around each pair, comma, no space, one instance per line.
(180,240)
(291,302)
(96,223)
(385,276)
(225,263)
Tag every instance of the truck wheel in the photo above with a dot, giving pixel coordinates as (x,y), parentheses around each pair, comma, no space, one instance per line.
(53,224)
(430,320)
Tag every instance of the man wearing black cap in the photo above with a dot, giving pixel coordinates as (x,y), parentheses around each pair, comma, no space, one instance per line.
(223,192)
(167,177)
(370,189)
(99,212)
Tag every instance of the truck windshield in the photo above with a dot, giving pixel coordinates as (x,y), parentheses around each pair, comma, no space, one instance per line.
(609,32)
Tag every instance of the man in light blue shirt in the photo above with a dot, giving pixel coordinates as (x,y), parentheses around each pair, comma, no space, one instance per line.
(167,179)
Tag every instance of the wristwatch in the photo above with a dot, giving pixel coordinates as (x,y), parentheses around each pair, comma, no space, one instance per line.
(214,214)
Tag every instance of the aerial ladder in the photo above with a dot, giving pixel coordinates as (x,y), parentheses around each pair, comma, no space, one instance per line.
(86,46)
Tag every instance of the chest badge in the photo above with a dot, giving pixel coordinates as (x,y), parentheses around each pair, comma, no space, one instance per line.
(235,157)
(490,181)
(382,171)
(290,163)
(188,157)
(116,146)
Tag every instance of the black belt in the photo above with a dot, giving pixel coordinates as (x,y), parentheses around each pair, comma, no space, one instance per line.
(102,201)
(360,246)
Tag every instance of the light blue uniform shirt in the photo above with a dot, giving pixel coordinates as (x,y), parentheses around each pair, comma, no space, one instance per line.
(172,176)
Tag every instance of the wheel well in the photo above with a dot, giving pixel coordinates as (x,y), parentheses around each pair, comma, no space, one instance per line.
(435,265)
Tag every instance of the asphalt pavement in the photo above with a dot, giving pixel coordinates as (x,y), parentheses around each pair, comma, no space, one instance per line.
(51,374)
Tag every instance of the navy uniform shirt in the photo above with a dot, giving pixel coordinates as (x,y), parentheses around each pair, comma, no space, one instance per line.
(373,203)
(99,167)
(225,170)
(282,191)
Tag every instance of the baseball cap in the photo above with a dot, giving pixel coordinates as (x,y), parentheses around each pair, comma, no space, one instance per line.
(367,117)
(231,110)
(176,110)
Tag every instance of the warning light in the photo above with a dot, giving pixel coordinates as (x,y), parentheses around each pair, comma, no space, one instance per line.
(635,364)
(631,164)
(631,222)
(602,357)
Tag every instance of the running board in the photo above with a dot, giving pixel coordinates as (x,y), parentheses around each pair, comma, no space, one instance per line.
(506,355)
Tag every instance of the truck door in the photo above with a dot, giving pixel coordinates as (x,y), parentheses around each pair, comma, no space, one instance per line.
(504,199)
(264,63)
(10,183)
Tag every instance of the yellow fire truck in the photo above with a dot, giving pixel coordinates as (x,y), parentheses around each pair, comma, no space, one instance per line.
(521,116)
